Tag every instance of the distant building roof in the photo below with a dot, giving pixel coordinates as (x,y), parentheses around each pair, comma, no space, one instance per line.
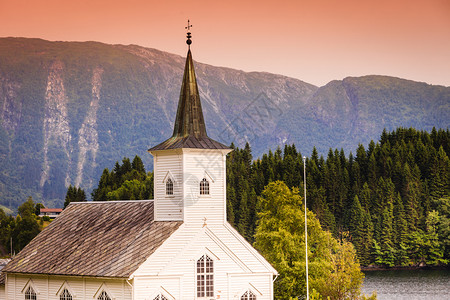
(88,232)
(51,210)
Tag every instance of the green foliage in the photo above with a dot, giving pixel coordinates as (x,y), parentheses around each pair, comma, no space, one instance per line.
(346,278)
(443,208)
(21,229)
(382,196)
(27,209)
(74,194)
(127,181)
(37,210)
(333,268)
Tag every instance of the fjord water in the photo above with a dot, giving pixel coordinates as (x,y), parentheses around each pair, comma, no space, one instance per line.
(408,284)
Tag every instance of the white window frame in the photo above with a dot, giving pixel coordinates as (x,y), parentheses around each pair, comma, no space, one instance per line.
(30,293)
(162,292)
(65,286)
(248,287)
(160,296)
(30,284)
(247,298)
(204,280)
(165,180)
(169,187)
(201,187)
(61,295)
(103,288)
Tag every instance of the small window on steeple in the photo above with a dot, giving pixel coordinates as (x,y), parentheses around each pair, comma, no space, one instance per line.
(204,187)
(169,187)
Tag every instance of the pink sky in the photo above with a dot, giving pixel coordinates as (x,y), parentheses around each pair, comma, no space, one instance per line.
(315,41)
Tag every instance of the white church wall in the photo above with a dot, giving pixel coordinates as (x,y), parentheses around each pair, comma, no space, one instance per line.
(168,207)
(199,164)
(258,284)
(48,287)
(179,254)
(148,287)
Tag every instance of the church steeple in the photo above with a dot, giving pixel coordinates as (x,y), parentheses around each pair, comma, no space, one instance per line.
(189,130)
(189,120)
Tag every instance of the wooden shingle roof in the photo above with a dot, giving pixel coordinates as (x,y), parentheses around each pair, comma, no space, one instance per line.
(99,239)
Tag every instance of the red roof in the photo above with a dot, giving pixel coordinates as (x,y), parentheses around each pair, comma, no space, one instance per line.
(51,210)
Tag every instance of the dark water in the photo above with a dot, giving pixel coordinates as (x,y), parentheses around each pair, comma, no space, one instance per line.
(408,284)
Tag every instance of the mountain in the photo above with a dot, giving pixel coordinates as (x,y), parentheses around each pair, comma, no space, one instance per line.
(355,110)
(69,109)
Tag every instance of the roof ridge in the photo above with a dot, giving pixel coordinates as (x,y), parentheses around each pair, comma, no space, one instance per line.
(113,201)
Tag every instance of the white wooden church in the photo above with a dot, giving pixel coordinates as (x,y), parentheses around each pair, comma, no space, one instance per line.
(177,246)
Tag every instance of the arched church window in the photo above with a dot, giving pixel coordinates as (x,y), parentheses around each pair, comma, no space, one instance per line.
(169,187)
(204,187)
(30,294)
(205,277)
(104,296)
(65,295)
(160,297)
(248,295)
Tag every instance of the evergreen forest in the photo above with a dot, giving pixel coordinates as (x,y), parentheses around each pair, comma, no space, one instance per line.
(391,199)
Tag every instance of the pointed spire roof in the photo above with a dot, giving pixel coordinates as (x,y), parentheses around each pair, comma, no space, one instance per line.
(189,130)
(189,120)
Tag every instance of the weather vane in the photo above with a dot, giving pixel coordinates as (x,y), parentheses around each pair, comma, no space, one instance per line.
(189,42)
(189,26)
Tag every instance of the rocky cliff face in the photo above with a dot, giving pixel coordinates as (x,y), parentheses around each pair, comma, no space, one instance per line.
(88,135)
(56,123)
(11,104)
(69,110)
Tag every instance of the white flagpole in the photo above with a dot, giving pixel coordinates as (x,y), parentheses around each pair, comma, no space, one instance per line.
(306,229)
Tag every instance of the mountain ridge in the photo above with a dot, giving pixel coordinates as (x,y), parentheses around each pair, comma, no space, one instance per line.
(71,109)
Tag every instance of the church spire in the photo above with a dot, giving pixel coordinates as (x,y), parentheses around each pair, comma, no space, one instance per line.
(189,130)
(189,120)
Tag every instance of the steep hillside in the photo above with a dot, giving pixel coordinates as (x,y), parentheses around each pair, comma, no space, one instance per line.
(70,109)
(344,113)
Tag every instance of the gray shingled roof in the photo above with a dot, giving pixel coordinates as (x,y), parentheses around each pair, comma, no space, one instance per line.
(101,239)
(189,142)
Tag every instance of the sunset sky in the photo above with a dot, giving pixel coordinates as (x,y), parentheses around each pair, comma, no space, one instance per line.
(315,41)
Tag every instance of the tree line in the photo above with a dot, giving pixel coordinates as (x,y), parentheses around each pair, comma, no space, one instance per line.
(390,200)
(17,232)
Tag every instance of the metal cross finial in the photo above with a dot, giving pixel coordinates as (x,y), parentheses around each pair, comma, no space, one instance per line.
(189,26)
(189,41)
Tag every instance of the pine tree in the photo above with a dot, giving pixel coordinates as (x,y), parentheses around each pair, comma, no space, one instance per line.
(74,194)
(138,165)
(387,246)
(356,221)
(244,216)
(366,239)
(400,227)
(411,195)
(70,196)
(440,170)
